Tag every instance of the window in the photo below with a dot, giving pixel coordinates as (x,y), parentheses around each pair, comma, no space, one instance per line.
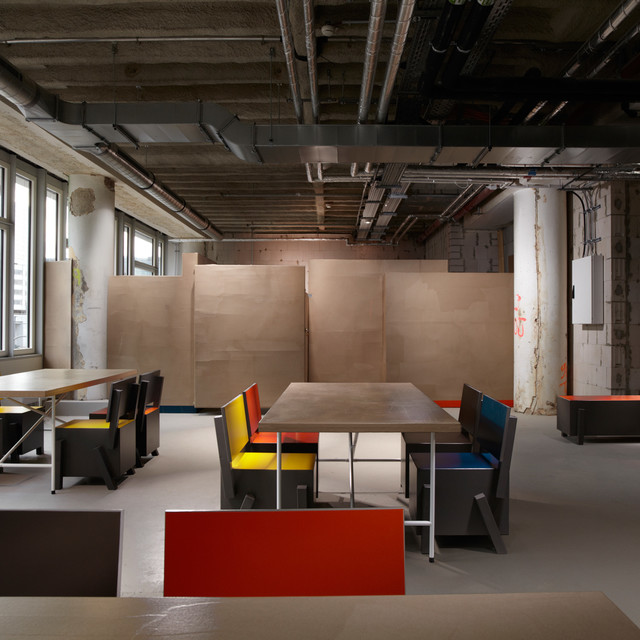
(52,220)
(23,264)
(141,249)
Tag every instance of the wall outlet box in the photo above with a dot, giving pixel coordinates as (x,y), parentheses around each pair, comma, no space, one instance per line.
(587,290)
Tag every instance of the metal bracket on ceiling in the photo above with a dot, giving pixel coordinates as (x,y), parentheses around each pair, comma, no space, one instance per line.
(438,150)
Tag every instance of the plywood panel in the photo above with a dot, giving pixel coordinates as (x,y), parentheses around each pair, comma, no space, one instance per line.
(57,315)
(249,327)
(346,322)
(150,326)
(443,330)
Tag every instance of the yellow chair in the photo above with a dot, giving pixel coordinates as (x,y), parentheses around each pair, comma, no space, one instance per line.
(248,478)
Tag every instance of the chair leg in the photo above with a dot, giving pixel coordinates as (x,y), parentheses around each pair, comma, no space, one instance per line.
(317,477)
(58,469)
(490,523)
(301,497)
(247,502)
(105,472)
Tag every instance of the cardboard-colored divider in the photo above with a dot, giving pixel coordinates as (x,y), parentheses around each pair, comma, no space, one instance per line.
(307,552)
(443,330)
(346,321)
(150,326)
(57,314)
(249,327)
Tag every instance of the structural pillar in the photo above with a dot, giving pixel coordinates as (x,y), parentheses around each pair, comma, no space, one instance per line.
(91,247)
(540,306)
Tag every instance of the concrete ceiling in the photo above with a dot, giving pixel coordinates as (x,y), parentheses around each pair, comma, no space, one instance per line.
(517,70)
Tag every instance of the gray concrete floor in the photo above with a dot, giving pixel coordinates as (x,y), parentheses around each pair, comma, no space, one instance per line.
(575,521)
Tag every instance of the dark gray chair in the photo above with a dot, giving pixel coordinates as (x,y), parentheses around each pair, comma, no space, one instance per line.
(447,442)
(472,489)
(148,417)
(60,553)
(100,448)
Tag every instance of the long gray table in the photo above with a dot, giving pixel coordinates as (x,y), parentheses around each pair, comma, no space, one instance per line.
(357,407)
(53,384)
(527,616)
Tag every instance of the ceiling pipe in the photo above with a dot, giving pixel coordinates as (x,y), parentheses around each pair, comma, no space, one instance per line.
(289,56)
(471,29)
(312,67)
(145,180)
(607,29)
(374,36)
(405,13)
(447,23)
(32,100)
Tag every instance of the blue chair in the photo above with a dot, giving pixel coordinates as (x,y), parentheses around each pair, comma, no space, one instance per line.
(472,489)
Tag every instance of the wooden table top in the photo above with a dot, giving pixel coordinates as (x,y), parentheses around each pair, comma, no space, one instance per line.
(526,616)
(356,407)
(53,382)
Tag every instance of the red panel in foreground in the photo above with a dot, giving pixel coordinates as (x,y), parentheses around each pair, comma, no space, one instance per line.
(284,553)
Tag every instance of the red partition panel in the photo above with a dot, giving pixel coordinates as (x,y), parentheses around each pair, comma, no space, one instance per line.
(284,553)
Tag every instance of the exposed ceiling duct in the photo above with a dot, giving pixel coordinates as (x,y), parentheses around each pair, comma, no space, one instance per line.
(289,56)
(40,106)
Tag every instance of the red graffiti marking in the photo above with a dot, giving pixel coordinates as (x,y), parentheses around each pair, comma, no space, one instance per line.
(563,378)
(519,320)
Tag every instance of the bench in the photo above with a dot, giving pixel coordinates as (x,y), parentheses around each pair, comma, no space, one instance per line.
(315,552)
(583,417)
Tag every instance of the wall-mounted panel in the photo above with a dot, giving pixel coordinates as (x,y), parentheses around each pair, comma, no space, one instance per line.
(249,326)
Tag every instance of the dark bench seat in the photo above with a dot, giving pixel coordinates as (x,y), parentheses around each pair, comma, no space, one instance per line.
(583,417)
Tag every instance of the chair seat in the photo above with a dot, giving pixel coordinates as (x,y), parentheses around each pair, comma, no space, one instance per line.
(289,438)
(460,460)
(14,410)
(268,461)
(425,438)
(91,424)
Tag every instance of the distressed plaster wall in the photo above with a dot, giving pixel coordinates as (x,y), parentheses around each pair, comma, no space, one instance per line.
(606,358)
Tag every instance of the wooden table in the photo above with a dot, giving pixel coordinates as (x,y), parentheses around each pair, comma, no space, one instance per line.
(526,616)
(357,407)
(53,384)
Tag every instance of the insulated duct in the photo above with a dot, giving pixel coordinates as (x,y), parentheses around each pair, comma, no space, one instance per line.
(146,181)
(312,67)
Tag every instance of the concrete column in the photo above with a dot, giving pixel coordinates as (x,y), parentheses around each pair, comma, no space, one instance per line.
(540,308)
(91,247)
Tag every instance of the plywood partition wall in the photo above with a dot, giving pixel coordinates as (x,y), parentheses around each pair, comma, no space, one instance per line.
(57,315)
(249,327)
(150,326)
(446,329)
(346,324)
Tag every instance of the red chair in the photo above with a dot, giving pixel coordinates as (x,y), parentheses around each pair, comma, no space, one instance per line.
(266,442)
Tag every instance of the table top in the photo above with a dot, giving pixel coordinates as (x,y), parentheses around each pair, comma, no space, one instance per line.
(528,616)
(53,382)
(356,407)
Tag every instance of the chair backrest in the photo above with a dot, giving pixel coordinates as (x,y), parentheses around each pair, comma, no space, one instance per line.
(123,404)
(470,407)
(306,552)
(496,435)
(494,417)
(60,553)
(155,382)
(231,434)
(252,407)
(122,385)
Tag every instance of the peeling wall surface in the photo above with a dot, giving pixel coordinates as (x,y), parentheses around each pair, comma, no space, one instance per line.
(91,247)
(606,357)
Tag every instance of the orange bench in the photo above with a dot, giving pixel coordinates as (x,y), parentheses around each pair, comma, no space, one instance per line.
(317,552)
